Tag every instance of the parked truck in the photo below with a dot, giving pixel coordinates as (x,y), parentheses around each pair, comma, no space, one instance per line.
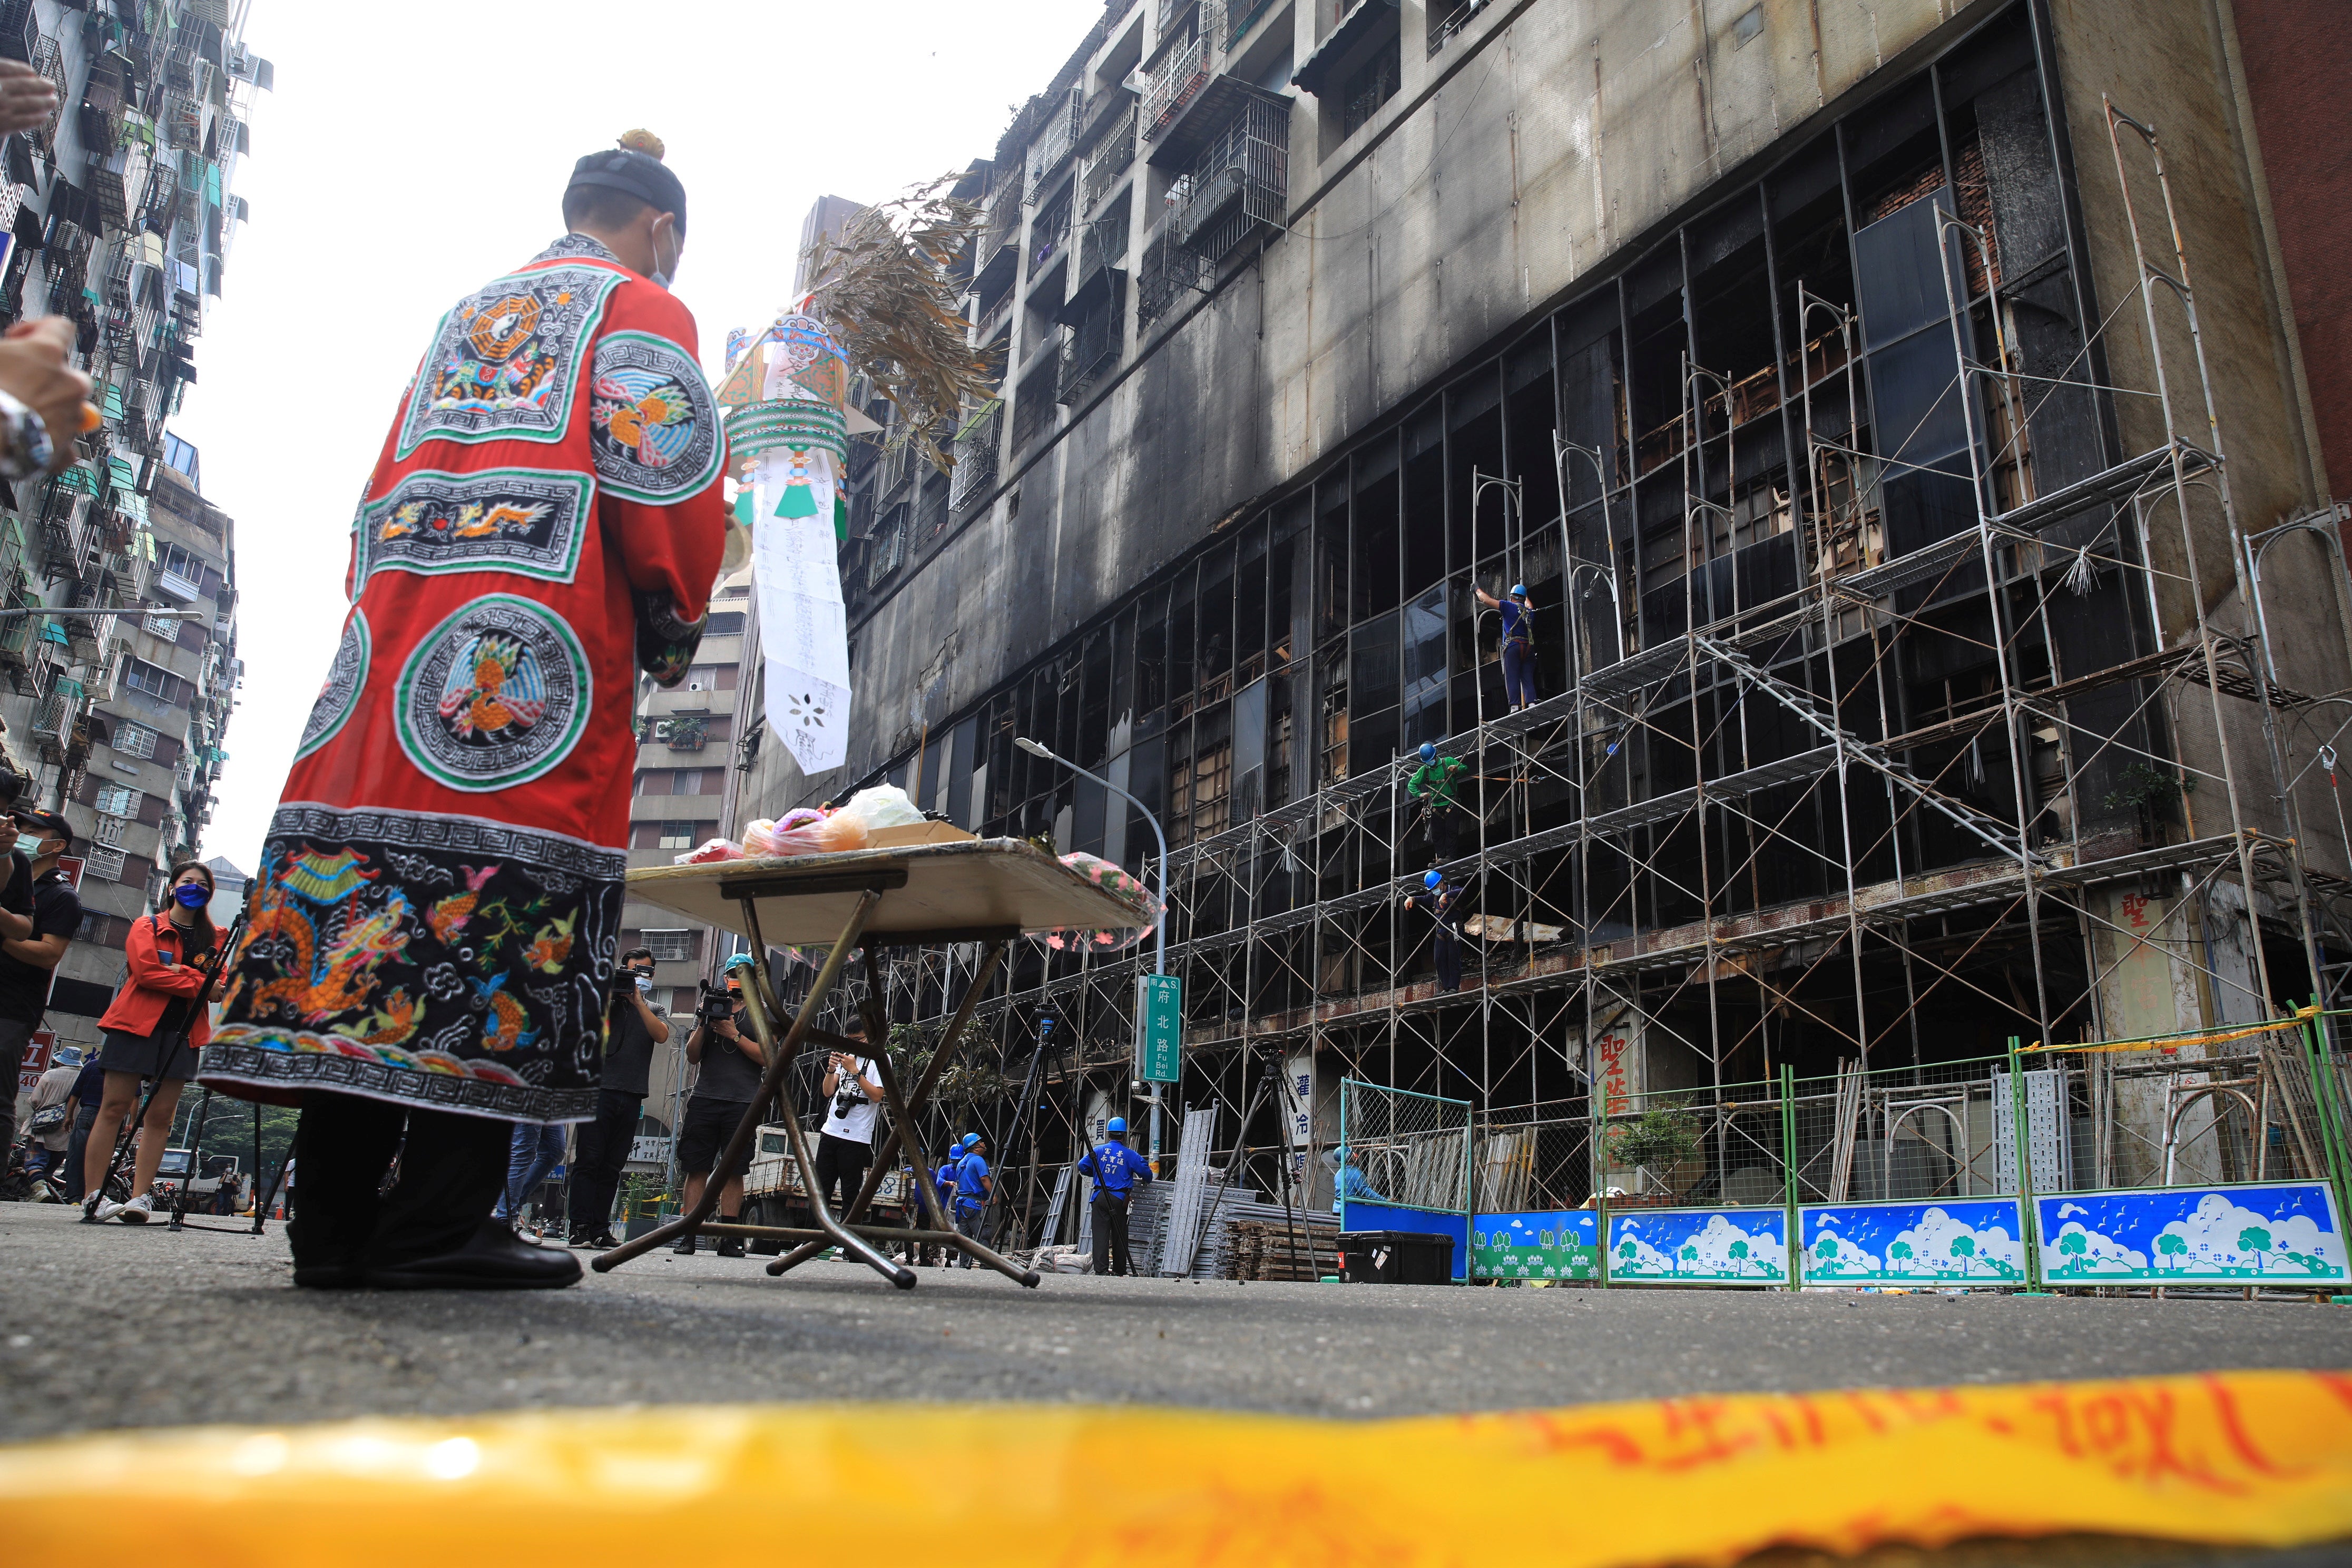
(773,1194)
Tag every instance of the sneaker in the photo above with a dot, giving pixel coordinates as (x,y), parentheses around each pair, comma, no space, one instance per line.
(604,1241)
(138,1211)
(97,1208)
(685,1248)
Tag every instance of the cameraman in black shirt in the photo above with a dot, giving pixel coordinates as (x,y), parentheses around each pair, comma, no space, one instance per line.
(729,1054)
(632,1028)
(38,916)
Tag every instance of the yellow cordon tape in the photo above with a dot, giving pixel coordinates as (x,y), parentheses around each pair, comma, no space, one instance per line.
(2259,1457)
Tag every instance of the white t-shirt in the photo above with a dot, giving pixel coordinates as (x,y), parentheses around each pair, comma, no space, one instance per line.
(852,1114)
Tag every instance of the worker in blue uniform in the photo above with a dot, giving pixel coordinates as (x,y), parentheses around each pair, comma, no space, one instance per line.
(1442,899)
(1519,645)
(1116,1169)
(973,1184)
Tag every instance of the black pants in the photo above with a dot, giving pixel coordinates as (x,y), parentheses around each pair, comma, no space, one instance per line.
(841,1165)
(596,1166)
(13,1037)
(1111,1235)
(1446,826)
(452,1170)
(1449,958)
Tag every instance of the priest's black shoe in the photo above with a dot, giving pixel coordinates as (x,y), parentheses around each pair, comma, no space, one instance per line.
(494,1259)
(685,1248)
(731,1246)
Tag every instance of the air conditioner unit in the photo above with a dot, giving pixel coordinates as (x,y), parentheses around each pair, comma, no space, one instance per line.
(694,685)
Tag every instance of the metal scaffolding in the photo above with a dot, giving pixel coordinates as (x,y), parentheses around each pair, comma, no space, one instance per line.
(1626,835)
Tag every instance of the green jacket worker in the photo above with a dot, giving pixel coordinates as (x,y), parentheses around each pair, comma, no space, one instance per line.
(1116,1169)
(1431,784)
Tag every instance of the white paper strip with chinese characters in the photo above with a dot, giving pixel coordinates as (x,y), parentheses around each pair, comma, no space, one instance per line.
(803,630)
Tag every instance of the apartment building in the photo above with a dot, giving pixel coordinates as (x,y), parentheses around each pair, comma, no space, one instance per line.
(1934,563)
(679,795)
(155,724)
(120,216)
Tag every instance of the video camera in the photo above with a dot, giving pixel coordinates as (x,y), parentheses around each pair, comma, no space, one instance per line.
(717,1004)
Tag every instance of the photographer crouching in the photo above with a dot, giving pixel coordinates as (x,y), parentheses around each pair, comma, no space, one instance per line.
(632,1028)
(724,1047)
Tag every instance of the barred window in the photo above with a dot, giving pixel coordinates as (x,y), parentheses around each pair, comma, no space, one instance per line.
(669,946)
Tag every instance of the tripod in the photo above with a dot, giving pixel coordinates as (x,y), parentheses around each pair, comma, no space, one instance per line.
(1024,1120)
(1268,1084)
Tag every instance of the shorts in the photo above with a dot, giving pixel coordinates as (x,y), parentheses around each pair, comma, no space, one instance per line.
(141,1054)
(703,1132)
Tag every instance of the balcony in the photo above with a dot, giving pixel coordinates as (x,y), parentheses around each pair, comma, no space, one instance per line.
(1091,348)
(1179,80)
(896,463)
(1110,158)
(996,258)
(1055,139)
(1240,180)
(975,454)
(1102,247)
(1049,238)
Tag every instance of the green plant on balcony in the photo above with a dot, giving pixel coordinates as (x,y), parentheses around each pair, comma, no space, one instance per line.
(684,734)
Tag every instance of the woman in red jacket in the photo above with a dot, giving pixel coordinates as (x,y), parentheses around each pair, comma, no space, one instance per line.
(167,952)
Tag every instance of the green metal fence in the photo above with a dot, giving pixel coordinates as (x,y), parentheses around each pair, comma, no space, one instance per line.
(2220,1156)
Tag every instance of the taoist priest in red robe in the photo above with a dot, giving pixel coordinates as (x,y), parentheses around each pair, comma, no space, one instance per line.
(433,932)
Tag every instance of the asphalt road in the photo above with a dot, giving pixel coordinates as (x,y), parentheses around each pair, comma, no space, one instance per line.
(110,1326)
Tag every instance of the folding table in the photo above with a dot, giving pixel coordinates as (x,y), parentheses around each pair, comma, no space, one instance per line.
(987,890)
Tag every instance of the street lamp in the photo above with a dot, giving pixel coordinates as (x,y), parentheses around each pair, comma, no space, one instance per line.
(1159,927)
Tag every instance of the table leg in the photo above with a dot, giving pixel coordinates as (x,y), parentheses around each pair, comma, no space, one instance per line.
(902,1117)
(738,1153)
(902,1127)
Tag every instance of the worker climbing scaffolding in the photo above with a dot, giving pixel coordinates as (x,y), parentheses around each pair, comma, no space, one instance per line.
(1519,645)
(1432,785)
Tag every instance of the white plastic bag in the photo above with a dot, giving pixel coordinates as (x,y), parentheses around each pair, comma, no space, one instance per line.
(884,805)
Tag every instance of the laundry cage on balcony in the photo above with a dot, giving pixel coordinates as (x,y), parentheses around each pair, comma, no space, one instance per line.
(1240,182)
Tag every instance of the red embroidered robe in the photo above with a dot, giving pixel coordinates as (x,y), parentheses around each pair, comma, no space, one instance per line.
(437,911)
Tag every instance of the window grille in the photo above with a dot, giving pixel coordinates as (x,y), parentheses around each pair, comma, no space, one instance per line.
(134,740)
(669,946)
(118,800)
(104,863)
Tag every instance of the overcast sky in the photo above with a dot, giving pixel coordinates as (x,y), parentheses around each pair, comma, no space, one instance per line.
(410,154)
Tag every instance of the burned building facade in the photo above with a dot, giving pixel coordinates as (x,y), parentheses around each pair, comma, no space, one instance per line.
(1893,415)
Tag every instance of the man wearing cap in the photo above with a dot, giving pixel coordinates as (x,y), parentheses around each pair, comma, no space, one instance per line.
(434,924)
(39,913)
(733,1064)
(1116,1169)
(973,1183)
(1439,897)
(1431,784)
(1519,645)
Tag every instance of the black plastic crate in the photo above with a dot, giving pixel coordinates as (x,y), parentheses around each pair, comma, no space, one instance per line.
(1396,1258)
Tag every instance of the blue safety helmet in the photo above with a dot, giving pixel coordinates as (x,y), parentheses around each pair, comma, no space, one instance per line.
(1432,880)
(969,1139)
(1117,1128)
(1518,590)
(1428,753)
(740,960)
